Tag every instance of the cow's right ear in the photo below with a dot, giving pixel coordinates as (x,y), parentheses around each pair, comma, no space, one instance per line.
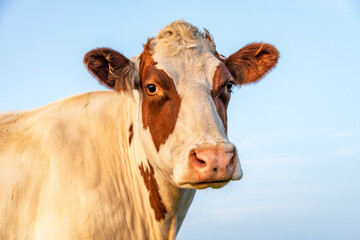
(112,69)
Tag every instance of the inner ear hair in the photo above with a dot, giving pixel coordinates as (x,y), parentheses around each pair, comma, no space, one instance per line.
(111,69)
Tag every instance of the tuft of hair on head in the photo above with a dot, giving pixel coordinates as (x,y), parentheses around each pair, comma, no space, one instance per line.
(180,35)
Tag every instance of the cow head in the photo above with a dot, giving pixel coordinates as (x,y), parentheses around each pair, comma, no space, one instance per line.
(184,89)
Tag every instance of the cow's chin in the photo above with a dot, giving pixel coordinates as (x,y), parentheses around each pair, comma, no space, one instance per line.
(203,185)
(215,185)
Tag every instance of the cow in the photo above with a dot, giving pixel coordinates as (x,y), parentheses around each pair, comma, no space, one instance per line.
(126,163)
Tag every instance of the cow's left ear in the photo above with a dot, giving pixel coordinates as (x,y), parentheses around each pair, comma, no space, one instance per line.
(252,62)
(112,69)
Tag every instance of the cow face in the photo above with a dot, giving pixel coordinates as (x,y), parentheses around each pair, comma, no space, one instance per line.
(184,89)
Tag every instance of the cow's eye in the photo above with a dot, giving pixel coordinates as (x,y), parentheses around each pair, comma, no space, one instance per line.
(151,89)
(229,85)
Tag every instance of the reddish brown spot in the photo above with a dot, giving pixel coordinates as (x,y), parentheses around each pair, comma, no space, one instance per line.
(153,188)
(131,133)
(160,111)
(219,93)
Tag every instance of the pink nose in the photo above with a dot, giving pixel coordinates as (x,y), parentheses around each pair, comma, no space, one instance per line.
(214,163)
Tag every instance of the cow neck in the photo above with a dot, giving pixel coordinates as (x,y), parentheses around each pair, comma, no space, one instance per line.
(169,203)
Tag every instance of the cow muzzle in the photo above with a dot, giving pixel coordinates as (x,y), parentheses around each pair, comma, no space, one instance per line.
(213,165)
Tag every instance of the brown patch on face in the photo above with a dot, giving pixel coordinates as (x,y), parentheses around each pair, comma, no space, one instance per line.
(159,111)
(219,93)
(131,133)
(153,188)
(146,60)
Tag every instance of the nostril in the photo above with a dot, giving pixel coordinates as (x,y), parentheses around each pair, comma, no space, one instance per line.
(201,161)
(197,162)
(213,163)
(232,162)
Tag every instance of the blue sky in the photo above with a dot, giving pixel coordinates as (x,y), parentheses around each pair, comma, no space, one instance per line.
(297,131)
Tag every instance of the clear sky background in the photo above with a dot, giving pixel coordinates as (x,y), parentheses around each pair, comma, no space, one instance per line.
(297,131)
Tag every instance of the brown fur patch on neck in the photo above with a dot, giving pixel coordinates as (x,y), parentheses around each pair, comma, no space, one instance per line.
(153,188)
(159,113)
(131,133)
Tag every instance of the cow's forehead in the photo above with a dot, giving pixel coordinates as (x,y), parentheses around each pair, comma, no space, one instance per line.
(185,54)
(188,70)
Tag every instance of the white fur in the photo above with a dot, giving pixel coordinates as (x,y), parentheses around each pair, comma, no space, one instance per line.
(67,172)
